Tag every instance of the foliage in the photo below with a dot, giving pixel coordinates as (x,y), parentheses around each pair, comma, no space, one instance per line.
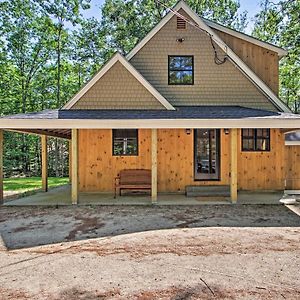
(279,24)
(127,22)
(48,50)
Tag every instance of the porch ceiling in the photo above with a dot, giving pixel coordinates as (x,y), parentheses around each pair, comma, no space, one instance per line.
(58,133)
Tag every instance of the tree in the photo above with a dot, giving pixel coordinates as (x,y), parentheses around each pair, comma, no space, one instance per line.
(279,24)
(127,22)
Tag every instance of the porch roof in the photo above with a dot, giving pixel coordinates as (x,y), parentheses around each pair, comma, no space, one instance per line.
(182,117)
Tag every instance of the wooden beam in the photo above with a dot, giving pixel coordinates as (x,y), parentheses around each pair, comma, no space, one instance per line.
(70,161)
(49,132)
(154,165)
(1,167)
(233,164)
(44,140)
(288,130)
(75,194)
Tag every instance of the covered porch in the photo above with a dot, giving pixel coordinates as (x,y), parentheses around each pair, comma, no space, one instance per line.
(158,125)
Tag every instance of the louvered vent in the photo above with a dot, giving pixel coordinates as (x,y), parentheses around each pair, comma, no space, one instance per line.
(181,24)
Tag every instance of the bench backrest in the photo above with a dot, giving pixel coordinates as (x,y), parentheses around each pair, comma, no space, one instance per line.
(135,176)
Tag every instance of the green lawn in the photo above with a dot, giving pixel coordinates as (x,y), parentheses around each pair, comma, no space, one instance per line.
(31,183)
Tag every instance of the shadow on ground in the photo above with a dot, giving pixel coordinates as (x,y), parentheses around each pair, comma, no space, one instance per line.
(22,227)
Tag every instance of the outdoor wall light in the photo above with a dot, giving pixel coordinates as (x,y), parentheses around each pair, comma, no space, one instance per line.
(180,40)
(226,131)
(188,131)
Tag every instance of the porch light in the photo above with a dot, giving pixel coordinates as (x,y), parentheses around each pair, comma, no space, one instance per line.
(226,131)
(188,131)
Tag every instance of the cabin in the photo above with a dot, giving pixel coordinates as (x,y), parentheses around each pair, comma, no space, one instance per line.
(194,103)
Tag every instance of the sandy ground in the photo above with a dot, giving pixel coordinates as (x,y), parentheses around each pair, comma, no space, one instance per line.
(199,252)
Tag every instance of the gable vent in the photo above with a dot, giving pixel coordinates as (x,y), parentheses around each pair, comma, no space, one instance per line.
(181,24)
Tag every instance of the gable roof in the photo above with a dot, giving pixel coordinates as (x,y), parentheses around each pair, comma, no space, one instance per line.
(236,60)
(119,58)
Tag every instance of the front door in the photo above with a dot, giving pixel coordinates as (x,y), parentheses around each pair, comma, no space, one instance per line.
(207,154)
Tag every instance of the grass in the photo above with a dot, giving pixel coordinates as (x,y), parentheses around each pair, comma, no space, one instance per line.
(31,183)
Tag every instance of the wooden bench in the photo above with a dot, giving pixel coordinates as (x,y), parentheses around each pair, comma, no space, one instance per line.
(135,179)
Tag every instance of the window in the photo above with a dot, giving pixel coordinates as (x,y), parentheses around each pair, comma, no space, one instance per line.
(125,142)
(256,139)
(181,70)
(181,24)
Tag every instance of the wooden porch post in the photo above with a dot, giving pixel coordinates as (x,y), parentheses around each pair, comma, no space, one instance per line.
(233,165)
(44,163)
(70,161)
(75,194)
(1,167)
(154,165)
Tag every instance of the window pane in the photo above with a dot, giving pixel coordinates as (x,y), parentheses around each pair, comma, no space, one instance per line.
(181,63)
(256,139)
(180,69)
(125,142)
(262,145)
(248,132)
(184,77)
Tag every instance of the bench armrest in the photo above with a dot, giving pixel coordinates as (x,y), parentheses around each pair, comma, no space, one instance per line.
(117,180)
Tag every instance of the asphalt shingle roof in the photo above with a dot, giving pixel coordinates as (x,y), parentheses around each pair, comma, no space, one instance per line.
(183,112)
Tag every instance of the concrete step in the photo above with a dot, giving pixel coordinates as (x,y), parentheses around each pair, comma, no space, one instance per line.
(207,191)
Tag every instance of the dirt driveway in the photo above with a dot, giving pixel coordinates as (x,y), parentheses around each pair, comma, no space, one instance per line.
(197,252)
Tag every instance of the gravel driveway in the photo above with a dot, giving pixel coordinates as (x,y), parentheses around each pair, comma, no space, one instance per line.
(103,252)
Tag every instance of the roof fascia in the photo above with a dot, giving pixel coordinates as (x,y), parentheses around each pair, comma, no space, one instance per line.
(119,58)
(148,123)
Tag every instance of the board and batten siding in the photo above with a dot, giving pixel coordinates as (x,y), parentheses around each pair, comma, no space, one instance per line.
(263,170)
(98,167)
(118,89)
(292,163)
(263,62)
(213,84)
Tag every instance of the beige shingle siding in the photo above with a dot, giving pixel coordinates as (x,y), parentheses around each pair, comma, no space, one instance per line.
(213,84)
(118,89)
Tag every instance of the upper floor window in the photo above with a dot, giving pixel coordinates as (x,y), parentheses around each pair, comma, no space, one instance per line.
(256,139)
(181,70)
(125,142)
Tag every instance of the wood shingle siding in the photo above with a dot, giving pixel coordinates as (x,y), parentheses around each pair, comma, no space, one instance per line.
(118,89)
(213,84)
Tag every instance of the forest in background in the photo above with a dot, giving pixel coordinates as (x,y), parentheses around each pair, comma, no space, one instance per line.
(48,50)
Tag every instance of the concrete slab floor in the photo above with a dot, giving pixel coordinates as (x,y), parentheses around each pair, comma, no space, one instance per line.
(62,196)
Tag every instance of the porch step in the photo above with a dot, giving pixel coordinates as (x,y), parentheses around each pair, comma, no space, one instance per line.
(207,191)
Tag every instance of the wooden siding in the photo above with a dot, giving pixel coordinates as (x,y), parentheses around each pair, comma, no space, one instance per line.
(175,161)
(292,163)
(213,84)
(98,167)
(118,89)
(264,62)
(262,170)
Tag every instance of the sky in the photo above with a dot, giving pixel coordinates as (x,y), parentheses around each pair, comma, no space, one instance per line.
(252,6)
